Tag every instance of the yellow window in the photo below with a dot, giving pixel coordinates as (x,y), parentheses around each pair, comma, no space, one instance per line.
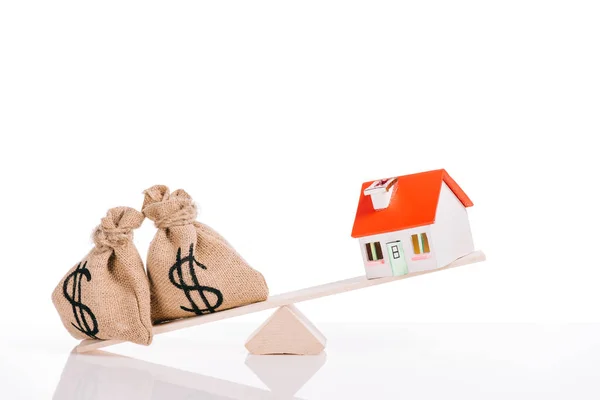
(420,243)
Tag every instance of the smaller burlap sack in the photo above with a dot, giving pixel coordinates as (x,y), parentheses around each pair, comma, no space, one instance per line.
(192,269)
(106,295)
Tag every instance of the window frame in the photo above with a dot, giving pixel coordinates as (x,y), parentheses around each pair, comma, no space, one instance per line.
(374,252)
(420,243)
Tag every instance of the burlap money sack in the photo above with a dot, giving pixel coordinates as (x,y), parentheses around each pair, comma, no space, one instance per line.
(192,269)
(106,295)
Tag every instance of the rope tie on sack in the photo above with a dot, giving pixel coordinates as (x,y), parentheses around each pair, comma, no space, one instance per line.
(184,216)
(111,237)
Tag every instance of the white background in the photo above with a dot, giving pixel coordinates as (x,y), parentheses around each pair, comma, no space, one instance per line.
(271,114)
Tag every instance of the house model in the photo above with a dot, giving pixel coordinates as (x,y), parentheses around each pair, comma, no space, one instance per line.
(412,223)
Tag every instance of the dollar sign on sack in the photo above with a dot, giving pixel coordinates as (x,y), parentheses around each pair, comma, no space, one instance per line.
(85,318)
(176,274)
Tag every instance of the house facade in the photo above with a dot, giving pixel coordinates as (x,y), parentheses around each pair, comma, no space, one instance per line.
(412,223)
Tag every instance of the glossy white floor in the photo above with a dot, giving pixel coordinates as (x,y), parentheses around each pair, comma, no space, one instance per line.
(416,361)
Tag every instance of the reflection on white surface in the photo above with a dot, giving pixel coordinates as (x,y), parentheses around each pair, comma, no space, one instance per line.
(285,375)
(364,361)
(102,375)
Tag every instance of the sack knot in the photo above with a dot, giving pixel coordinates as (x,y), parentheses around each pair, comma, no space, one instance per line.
(111,237)
(116,229)
(185,216)
(168,209)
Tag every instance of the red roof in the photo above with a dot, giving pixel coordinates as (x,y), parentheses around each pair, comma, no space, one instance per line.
(413,203)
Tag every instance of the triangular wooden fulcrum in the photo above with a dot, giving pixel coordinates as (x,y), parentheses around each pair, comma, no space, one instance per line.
(287,331)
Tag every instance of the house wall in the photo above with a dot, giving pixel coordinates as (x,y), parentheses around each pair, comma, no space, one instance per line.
(451,232)
(378,270)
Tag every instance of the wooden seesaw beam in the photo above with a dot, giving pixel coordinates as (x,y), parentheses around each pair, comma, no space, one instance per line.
(281,300)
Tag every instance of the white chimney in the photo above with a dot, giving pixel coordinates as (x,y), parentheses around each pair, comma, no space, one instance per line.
(381,192)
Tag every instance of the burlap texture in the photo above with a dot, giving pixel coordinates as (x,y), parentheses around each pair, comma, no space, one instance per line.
(106,295)
(192,269)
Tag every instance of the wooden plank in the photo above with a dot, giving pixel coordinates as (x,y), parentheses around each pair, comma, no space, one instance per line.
(283,299)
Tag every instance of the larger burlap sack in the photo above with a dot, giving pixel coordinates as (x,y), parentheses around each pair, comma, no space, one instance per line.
(192,269)
(106,295)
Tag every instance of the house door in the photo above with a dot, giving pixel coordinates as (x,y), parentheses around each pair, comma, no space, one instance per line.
(397,260)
